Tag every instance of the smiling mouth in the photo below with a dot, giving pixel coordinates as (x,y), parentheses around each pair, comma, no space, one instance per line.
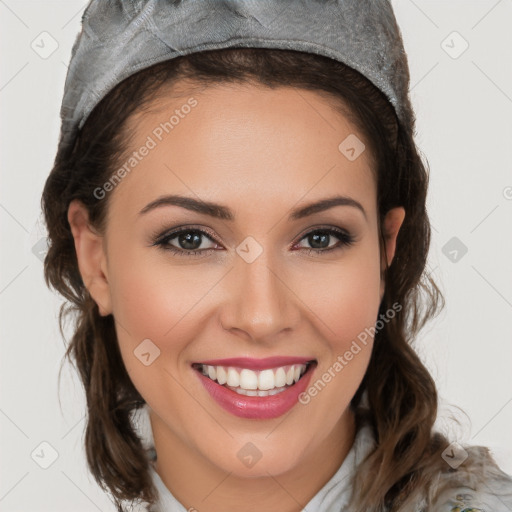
(244,381)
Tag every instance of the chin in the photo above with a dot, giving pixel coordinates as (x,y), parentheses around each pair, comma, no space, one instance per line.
(254,459)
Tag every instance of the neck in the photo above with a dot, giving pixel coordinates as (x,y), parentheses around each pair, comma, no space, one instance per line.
(200,485)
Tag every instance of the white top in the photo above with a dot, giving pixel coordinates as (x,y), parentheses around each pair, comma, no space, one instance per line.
(477,486)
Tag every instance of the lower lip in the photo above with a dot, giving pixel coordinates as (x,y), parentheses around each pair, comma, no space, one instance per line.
(256,407)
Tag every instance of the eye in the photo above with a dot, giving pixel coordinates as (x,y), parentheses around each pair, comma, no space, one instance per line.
(319,240)
(188,240)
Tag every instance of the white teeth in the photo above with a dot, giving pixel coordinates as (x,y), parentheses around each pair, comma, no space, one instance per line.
(248,379)
(289,376)
(255,383)
(222,376)
(280,378)
(233,378)
(253,392)
(265,380)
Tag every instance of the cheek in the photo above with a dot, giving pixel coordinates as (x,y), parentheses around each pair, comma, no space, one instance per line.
(344,295)
(147,301)
(346,304)
(149,296)
(153,306)
(345,299)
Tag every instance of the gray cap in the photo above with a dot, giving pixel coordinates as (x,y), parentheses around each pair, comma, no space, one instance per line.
(122,37)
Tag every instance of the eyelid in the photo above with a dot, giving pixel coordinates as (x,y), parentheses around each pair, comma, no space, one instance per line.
(159,235)
(324,227)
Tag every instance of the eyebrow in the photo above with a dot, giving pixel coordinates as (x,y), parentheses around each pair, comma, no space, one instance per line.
(223,212)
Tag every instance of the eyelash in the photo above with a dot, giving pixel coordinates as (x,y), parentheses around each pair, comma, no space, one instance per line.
(346,240)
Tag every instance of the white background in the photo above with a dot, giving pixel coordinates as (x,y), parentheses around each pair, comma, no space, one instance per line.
(463,106)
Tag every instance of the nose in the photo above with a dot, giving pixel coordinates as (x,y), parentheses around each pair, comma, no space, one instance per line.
(260,303)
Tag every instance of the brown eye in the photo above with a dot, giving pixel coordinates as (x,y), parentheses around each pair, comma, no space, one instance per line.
(186,242)
(320,239)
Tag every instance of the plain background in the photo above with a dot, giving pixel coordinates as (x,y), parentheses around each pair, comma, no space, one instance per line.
(463,101)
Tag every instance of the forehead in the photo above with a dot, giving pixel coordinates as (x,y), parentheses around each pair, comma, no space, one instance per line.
(238,143)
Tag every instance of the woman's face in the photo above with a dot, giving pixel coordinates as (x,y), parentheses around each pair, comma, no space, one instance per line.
(245,285)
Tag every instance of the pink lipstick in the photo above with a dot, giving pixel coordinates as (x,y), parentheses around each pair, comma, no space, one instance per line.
(277,383)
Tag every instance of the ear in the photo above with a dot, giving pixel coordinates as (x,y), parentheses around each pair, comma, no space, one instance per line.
(390,227)
(91,256)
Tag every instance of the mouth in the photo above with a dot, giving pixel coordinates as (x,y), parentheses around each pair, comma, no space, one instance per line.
(249,382)
(265,393)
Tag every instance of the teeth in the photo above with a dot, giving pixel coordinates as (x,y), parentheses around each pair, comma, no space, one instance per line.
(280,378)
(265,380)
(290,375)
(233,378)
(249,379)
(252,392)
(255,383)
(222,376)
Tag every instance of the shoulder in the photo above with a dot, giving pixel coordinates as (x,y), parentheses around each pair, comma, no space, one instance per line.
(470,481)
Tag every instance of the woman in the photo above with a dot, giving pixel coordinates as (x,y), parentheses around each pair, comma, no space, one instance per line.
(270,368)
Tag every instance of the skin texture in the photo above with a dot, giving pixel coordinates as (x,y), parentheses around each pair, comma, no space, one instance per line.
(262,152)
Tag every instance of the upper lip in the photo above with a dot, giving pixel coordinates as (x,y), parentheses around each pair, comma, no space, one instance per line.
(257,364)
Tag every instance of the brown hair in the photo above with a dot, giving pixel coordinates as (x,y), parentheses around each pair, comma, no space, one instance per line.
(402,396)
